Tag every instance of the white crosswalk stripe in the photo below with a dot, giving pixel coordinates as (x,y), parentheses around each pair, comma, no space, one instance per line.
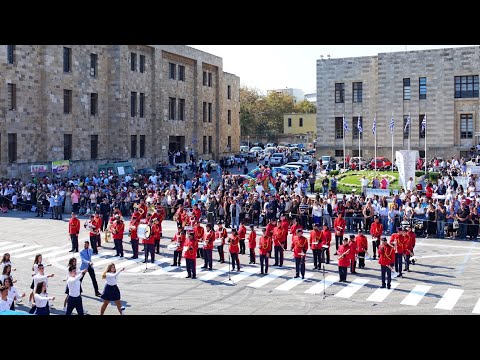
(414,297)
(245,273)
(214,273)
(290,284)
(11,246)
(318,287)
(476,309)
(267,278)
(5,243)
(352,288)
(127,262)
(165,270)
(36,252)
(183,274)
(24,249)
(449,299)
(107,258)
(149,265)
(381,294)
(53,253)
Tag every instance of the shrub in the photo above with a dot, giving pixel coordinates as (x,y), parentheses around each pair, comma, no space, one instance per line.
(419,173)
(434,176)
(334,172)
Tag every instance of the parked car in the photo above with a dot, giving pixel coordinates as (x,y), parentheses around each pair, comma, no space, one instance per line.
(256,150)
(382,163)
(244,149)
(296,171)
(249,156)
(145,171)
(277,159)
(328,161)
(116,168)
(303,165)
(259,144)
(271,145)
(359,161)
(167,170)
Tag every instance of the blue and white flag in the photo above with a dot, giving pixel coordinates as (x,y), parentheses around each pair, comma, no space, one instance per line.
(407,125)
(359,125)
(374,126)
(424,123)
(392,125)
(345,126)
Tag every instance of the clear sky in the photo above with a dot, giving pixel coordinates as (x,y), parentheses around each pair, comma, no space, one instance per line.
(268,67)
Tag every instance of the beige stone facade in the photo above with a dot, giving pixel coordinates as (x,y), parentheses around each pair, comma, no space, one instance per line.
(382,79)
(40,122)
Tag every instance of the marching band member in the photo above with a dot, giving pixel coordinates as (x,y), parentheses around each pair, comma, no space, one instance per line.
(181,216)
(91,224)
(98,225)
(221,234)
(316,246)
(234,249)
(264,244)
(339,225)
(144,207)
(325,245)
(242,232)
(199,233)
(178,238)
(362,247)
(294,227)
(299,247)
(197,213)
(208,247)
(149,244)
(376,230)
(353,251)
(398,241)
(160,214)
(134,222)
(190,255)
(386,255)
(117,229)
(74,230)
(277,238)
(343,260)
(252,243)
(412,238)
(286,226)
(270,227)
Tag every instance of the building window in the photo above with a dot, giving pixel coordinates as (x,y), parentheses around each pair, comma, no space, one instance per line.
(339,93)
(93,104)
(67,146)
(172,104)
(11,54)
(142,146)
(181,109)
(133,61)
(406,130)
(204,144)
(142,105)
(300,122)
(339,128)
(466,126)
(356,153)
(209,79)
(209,112)
(229,143)
(406,89)
(355,132)
(205,82)
(12,96)
(133,104)
(209,144)
(229,92)
(339,153)
(93,65)
(67,59)
(357,92)
(422,88)
(466,86)
(204,111)
(142,63)
(421,134)
(12,148)
(172,71)
(93,146)
(181,73)
(229,117)
(67,101)
(133,146)
(289,122)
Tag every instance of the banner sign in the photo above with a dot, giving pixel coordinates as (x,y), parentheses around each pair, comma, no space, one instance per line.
(35,169)
(60,166)
(406,161)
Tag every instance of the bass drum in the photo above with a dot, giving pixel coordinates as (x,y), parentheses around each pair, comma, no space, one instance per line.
(144,231)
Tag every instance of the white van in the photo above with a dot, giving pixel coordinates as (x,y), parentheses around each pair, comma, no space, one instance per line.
(270,150)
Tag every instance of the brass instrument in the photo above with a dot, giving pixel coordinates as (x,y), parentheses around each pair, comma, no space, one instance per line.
(344,254)
(137,207)
(107,235)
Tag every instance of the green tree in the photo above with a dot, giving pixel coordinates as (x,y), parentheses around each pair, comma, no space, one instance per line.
(305,107)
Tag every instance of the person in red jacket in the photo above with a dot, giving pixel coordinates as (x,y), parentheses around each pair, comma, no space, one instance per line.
(199,233)
(242,232)
(74,230)
(429,191)
(286,227)
(362,247)
(326,239)
(299,247)
(270,227)
(149,244)
(265,243)
(134,222)
(222,235)
(339,226)
(252,243)
(343,260)
(208,247)
(376,230)
(386,254)
(234,249)
(159,214)
(353,252)
(316,246)
(277,238)
(190,255)
(400,242)
(197,212)
(179,239)
(117,229)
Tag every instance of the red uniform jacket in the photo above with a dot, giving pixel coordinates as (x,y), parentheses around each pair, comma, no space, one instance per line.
(343,260)
(362,243)
(299,245)
(242,232)
(191,249)
(234,248)
(315,236)
(270,228)
(134,222)
(339,226)
(353,250)
(400,243)
(278,236)
(73,226)
(293,229)
(118,228)
(209,238)
(199,232)
(326,237)
(155,235)
(252,240)
(376,230)
(386,254)
(180,238)
(265,245)
(221,234)
(285,226)
(197,213)
(145,211)
(412,238)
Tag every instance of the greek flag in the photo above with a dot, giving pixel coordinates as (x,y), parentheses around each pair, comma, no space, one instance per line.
(407,125)
(392,125)
(424,122)
(345,126)
(374,127)
(359,124)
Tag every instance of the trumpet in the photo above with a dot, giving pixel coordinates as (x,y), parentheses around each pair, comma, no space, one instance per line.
(344,254)
(137,207)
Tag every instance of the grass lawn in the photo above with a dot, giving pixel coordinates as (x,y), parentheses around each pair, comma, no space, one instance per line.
(351,180)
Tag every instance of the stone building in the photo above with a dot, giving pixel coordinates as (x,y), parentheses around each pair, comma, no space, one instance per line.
(440,83)
(96,103)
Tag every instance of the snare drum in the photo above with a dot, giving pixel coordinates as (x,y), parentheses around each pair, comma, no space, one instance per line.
(218,242)
(201,245)
(143,231)
(172,247)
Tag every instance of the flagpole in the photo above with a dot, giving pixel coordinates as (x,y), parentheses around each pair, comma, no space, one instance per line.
(392,145)
(409,130)
(375,160)
(359,142)
(425,118)
(344,132)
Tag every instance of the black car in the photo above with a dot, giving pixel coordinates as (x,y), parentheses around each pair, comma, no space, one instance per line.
(145,171)
(168,170)
(249,156)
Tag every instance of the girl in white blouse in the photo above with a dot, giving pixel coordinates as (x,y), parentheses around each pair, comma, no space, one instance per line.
(13,294)
(111,291)
(5,261)
(41,299)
